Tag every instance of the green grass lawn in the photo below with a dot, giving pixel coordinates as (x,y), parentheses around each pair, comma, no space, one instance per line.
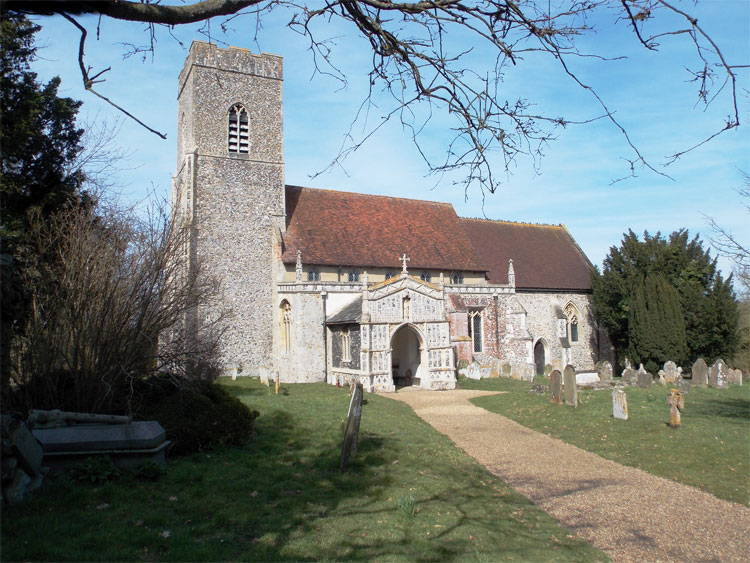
(409,494)
(711,451)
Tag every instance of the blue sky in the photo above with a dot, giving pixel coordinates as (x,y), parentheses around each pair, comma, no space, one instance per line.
(648,91)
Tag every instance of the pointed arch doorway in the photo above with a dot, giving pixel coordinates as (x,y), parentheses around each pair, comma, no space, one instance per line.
(406,357)
(540,357)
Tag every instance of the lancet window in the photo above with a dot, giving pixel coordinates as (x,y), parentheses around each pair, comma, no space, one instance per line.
(475,329)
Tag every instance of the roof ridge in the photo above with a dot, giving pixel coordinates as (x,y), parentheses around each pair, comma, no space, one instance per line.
(371,195)
(520,223)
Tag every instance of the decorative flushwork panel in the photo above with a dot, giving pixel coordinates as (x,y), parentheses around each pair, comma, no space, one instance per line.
(441,359)
(387,309)
(380,362)
(426,308)
(437,335)
(379,337)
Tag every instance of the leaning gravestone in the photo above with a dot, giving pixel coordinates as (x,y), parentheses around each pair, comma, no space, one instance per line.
(619,404)
(670,372)
(569,386)
(700,373)
(474,371)
(548,369)
(644,378)
(555,387)
(605,371)
(351,434)
(684,386)
(718,375)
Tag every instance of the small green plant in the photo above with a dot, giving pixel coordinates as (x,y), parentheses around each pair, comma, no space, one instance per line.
(95,470)
(148,471)
(408,506)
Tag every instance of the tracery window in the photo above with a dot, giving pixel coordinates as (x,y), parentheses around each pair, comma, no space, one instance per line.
(286,327)
(572,317)
(346,354)
(239,130)
(353,276)
(457,278)
(313,275)
(426,276)
(475,329)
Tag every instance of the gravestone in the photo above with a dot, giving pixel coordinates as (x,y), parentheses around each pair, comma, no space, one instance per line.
(474,371)
(662,379)
(555,387)
(700,373)
(644,378)
(351,434)
(684,386)
(629,376)
(506,370)
(569,386)
(718,376)
(548,369)
(735,376)
(670,372)
(676,404)
(605,371)
(628,365)
(619,404)
(264,376)
(485,371)
(527,372)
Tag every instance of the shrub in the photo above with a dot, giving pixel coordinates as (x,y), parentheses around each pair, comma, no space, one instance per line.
(197,415)
(96,470)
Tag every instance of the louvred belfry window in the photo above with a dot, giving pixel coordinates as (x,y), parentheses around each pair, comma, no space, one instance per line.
(239,130)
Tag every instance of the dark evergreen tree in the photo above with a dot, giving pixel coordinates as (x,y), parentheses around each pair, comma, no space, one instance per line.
(38,134)
(706,302)
(656,325)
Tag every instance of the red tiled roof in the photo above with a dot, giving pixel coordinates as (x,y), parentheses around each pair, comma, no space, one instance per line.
(544,256)
(349,229)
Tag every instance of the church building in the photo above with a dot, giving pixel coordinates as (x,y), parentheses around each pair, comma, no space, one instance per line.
(323,285)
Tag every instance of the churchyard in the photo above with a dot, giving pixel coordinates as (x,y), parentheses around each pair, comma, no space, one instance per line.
(710,450)
(408,494)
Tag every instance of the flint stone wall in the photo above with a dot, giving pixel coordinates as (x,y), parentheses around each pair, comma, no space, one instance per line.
(543,311)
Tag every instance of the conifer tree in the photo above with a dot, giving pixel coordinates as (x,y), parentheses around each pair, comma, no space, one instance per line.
(676,279)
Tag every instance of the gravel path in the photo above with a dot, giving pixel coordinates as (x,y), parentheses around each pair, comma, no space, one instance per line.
(628,513)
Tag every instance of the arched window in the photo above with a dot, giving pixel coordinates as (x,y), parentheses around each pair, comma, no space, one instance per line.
(313,275)
(239,130)
(457,278)
(286,327)
(346,353)
(353,276)
(475,329)
(572,317)
(426,276)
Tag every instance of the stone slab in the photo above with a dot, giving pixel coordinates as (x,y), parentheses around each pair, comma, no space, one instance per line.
(587,378)
(134,436)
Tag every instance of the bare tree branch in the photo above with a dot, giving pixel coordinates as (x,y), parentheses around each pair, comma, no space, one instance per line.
(416,62)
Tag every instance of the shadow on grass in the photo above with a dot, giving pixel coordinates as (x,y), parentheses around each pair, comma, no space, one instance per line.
(728,407)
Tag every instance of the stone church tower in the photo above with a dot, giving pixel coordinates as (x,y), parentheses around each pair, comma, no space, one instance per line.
(230,184)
